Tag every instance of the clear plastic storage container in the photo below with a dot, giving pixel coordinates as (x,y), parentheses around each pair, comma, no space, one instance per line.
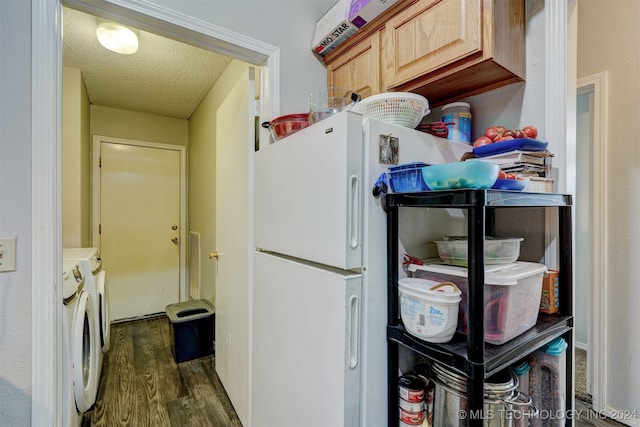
(511,295)
(547,383)
(454,250)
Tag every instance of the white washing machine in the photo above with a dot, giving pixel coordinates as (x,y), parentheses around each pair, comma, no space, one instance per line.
(96,284)
(80,352)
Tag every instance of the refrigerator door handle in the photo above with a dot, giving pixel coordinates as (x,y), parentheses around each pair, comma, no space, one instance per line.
(354,212)
(354,332)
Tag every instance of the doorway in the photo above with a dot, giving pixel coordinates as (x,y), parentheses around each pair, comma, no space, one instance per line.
(591,232)
(46,33)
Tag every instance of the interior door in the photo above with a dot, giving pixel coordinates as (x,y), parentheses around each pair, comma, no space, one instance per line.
(234,154)
(139,227)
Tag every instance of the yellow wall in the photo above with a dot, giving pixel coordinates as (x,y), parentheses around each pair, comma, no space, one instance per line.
(80,121)
(76,199)
(107,121)
(202,173)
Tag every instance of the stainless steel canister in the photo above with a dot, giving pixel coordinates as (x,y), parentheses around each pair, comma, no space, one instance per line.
(503,403)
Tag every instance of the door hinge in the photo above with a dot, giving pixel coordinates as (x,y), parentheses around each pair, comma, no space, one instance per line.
(100,162)
(256,107)
(99,228)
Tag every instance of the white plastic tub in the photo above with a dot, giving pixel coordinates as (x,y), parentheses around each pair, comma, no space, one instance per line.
(429,309)
(511,295)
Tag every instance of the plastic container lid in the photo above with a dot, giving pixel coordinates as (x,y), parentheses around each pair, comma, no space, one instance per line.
(456,104)
(189,310)
(521,368)
(431,288)
(501,274)
(556,347)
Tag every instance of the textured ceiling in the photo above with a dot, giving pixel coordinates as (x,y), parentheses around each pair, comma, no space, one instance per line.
(164,77)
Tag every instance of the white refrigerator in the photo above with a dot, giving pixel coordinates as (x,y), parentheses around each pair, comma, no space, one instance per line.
(319,355)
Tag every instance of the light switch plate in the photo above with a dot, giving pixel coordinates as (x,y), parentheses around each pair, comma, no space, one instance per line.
(7,254)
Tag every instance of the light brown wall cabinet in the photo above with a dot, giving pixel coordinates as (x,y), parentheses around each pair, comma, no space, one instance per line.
(442,49)
(359,68)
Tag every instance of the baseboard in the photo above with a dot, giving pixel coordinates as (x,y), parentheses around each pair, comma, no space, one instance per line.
(145,317)
(581,346)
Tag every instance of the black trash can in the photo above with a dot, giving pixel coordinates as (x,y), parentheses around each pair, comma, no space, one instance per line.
(193,329)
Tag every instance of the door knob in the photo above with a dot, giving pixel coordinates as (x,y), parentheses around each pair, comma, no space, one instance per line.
(213,255)
(175,240)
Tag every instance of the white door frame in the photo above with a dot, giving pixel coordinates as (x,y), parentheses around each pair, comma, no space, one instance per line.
(95,197)
(597,324)
(46,149)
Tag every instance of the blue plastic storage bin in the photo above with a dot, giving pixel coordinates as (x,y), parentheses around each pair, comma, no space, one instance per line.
(407,178)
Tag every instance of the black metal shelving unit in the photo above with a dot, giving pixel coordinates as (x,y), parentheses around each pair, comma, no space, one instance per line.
(469,355)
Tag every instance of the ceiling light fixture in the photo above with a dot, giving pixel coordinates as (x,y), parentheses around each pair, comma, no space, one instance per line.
(117,38)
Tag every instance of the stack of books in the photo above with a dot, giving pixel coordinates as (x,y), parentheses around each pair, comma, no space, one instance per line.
(521,162)
(532,166)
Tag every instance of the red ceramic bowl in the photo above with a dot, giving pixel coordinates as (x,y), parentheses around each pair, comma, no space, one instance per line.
(284,126)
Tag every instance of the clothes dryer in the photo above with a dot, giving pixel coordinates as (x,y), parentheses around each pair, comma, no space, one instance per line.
(96,277)
(80,352)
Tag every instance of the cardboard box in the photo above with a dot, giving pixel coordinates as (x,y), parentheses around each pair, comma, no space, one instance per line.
(364,11)
(550,297)
(343,20)
(333,28)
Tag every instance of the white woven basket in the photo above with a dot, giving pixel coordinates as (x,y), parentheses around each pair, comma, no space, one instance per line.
(400,108)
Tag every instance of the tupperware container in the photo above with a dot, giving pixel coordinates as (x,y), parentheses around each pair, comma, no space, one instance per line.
(511,295)
(447,176)
(521,371)
(547,381)
(407,178)
(453,250)
(429,309)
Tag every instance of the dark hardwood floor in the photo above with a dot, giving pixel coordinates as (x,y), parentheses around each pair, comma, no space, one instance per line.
(142,385)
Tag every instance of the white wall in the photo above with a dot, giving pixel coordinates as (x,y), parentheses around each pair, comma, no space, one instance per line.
(619,54)
(15,211)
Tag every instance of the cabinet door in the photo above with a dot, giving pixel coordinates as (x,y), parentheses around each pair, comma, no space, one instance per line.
(429,35)
(359,68)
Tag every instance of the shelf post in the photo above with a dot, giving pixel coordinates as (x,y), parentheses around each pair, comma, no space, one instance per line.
(392,314)
(475,309)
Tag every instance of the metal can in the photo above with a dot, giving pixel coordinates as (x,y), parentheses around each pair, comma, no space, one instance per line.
(411,388)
